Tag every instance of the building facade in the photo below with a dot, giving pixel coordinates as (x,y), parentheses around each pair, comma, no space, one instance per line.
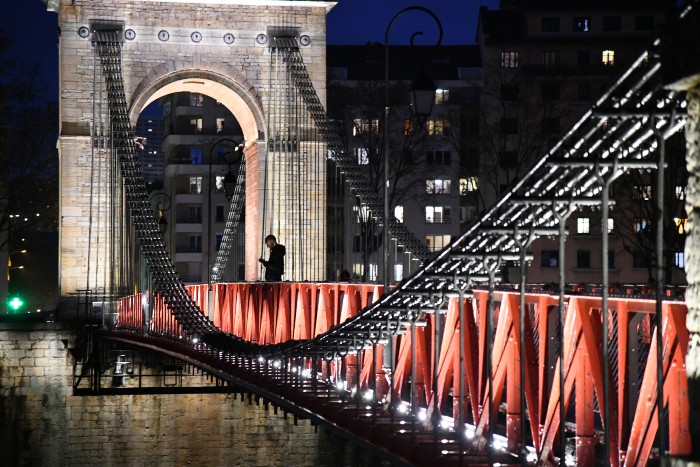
(199,149)
(545,63)
(433,161)
(150,151)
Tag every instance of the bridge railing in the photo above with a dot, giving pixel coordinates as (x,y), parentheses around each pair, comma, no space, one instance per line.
(427,362)
(259,312)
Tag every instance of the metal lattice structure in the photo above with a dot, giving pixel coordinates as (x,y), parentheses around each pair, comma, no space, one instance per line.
(108,48)
(625,130)
(228,243)
(356,178)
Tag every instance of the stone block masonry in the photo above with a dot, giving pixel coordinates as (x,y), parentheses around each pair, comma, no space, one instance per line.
(162,56)
(43,424)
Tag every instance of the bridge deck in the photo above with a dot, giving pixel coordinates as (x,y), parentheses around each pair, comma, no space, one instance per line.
(393,410)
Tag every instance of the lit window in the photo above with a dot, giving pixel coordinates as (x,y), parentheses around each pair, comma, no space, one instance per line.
(358,269)
(196,156)
(398,213)
(642,192)
(219,125)
(509,59)
(361,214)
(680,224)
(219,182)
(438,187)
(608,57)
(362,156)
(196,185)
(611,225)
(438,214)
(437,242)
(408,127)
(442,96)
(641,225)
(679,259)
(398,272)
(365,126)
(438,127)
(196,124)
(582,24)
(467,185)
(583,225)
(680,192)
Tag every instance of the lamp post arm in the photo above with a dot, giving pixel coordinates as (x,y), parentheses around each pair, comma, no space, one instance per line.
(387,152)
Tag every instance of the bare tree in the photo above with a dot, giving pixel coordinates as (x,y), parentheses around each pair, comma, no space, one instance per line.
(28,156)
(636,215)
(522,115)
(358,112)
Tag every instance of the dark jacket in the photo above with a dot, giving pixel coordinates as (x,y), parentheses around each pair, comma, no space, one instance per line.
(274,266)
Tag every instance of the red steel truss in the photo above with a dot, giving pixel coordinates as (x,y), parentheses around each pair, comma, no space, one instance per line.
(268,313)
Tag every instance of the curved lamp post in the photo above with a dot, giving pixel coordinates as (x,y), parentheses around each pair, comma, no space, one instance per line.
(162,203)
(422,98)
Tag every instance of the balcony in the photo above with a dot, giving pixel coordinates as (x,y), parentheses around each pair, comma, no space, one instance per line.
(188,249)
(188,111)
(188,227)
(187,219)
(597,69)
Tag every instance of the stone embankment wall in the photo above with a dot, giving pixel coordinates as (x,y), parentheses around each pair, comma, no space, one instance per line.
(42,423)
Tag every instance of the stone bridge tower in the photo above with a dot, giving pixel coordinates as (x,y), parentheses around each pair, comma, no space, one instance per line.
(219,48)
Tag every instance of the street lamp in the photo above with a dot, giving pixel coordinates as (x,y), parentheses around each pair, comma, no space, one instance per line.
(230,177)
(422,95)
(418,101)
(162,203)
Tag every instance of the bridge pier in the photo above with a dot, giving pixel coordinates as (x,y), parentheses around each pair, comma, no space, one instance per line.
(222,51)
(692,264)
(681,69)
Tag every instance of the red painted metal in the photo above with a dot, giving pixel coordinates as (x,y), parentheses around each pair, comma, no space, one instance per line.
(272,313)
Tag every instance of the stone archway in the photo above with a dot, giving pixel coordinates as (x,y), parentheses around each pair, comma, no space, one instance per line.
(240,98)
(220,48)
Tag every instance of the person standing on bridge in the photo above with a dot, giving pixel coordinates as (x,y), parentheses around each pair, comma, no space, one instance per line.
(274,266)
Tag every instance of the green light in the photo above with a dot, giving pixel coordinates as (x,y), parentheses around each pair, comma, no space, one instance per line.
(16,303)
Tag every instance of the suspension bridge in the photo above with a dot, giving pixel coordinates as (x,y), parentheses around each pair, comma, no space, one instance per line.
(449,367)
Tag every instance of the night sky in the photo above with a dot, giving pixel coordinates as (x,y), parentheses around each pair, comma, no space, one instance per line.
(33,30)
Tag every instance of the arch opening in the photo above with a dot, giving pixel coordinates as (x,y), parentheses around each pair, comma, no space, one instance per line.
(241,101)
(229,98)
